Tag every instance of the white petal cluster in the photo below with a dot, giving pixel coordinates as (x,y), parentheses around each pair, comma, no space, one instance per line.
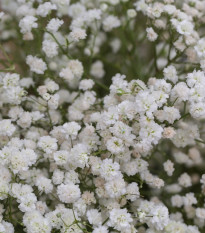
(36,65)
(102,111)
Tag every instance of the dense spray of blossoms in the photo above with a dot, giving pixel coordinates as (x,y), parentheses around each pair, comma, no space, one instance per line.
(102,109)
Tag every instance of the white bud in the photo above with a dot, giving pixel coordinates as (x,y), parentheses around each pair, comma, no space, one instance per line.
(131,13)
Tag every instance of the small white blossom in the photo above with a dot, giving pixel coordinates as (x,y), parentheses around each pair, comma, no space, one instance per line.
(36,65)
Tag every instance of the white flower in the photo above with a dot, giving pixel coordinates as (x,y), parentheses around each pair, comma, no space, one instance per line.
(197,110)
(132,191)
(58,176)
(169,114)
(61,157)
(200,213)
(145,103)
(27,23)
(177,200)
(196,77)
(25,120)
(44,184)
(109,170)
(127,109)
(28,202)
(86,84)
(77,34)
(54,24)
(131,13)
(92,15)
(6,128)
(36,65)
(185,180)
(44,9)
(50,48)
(168,167)
(35,222)
(134,166)
(186,136)
(53,102)
(51,85)
(79,155)
(97,69)
(61,3)
(120,219)
(48,144)
(115,145)
(76,10)
(170,9)
(76,67)
(189,199)
(200,48)
(4,190)
(10,80)
(68,193)
(181,92)
(67,74)
(115,187)
(94,217)
(88,197)
(71,177)
(160,217)
(111,22)
(170,73)
(185,27)
(100,229)
(21,160)
(71,129)
(151,34)
(151,131)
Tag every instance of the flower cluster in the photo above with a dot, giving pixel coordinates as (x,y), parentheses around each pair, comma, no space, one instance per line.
(102,116)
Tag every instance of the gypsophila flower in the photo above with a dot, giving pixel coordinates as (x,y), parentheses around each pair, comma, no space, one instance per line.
(86,84)
(101,229)
(200,213)
(109,169)
(54,24)
(6,128)
(44,184)
(102,116)
(169,167)
(61,157)
(97,69)
(71,129)
(170,74)
(189,199)
(185,180)
(94,217)
(111,22)
(50,48)
(160,217)
(27,23)
(68,193)
(132,191)
(77,34)
(36,65)
(200,48)
(115,145)
(120,219)
(45,8)
(131,13)
(185,27)
(151,34)
(48,144)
